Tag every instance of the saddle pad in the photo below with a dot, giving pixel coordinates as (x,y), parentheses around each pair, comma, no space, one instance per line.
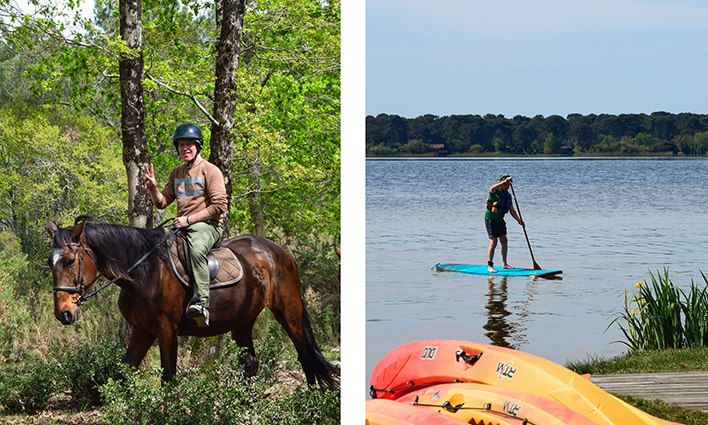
(230,270)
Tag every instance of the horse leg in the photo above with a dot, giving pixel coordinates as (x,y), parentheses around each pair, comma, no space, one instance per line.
(167,340)
(293,326)
(140,342)
(243,336)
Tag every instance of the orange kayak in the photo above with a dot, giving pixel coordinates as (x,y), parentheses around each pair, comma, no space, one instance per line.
(418,365)
(466,401)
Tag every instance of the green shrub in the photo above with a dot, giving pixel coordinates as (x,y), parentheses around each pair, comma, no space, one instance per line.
(87,367)
(306,406)
(476,148)
(217,393)
(328,327)
(272,347)
(318,267)
(26,387)
(214,393)
(13,312)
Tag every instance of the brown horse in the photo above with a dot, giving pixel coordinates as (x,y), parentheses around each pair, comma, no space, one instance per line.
(153,301)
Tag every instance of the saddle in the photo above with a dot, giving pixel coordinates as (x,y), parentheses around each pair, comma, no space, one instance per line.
(224,267)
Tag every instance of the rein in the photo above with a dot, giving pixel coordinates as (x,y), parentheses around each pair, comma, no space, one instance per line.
(80,284)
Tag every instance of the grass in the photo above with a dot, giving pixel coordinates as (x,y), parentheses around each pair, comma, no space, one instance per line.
(669,412)
(652,361)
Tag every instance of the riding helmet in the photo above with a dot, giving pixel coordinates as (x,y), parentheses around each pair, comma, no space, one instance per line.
(188,131)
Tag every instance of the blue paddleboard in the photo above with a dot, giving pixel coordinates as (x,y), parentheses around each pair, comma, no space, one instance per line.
(482,270)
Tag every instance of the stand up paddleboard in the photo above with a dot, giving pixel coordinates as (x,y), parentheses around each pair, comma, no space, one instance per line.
(483,270)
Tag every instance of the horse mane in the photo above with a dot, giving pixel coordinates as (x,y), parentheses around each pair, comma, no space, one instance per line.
(116,248)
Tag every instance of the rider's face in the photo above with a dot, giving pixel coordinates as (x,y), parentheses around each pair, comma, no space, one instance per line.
(187,149)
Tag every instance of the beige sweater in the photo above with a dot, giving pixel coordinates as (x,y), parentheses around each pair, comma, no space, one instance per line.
(198,188)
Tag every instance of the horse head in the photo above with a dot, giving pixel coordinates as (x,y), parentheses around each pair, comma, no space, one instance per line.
(73,270)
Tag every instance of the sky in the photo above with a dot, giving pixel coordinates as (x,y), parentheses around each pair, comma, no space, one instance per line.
(541,57)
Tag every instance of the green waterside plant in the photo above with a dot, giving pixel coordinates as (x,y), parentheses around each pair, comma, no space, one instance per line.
(660,315)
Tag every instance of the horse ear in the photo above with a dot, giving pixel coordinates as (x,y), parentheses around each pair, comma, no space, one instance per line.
(78,231)
(51,228)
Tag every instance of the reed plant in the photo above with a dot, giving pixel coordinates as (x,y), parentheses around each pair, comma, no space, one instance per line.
(695,311)
(660,315)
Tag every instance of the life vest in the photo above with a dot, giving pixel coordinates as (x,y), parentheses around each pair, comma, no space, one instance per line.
(500,206)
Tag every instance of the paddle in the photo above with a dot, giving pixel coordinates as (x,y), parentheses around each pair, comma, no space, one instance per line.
(535,264)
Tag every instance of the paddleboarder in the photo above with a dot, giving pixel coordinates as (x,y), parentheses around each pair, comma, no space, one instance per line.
(499,202)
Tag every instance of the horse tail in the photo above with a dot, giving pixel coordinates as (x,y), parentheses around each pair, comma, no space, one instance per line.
(327,374)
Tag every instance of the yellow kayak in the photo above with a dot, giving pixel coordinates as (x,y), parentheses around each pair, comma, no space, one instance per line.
(466,401)
(389,412)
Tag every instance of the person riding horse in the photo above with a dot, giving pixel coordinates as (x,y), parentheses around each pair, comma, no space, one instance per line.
(198,186)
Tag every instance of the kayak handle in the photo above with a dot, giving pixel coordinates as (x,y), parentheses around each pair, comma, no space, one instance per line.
(450,408)
(460,354)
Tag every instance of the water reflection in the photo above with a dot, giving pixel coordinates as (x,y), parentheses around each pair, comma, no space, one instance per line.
(502,330)
(497,327)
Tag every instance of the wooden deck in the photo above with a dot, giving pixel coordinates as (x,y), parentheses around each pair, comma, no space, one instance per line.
(687,389)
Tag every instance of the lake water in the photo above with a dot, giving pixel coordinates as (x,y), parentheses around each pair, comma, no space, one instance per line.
(605,222)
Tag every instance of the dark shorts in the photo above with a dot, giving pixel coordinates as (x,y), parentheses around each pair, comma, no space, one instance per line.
(495,228)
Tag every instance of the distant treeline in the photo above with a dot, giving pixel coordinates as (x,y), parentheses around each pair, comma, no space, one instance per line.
(604,134)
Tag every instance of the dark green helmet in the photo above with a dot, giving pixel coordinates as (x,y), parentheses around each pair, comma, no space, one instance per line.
(188,131)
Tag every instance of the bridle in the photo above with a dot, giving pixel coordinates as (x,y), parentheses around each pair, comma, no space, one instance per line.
(80,286)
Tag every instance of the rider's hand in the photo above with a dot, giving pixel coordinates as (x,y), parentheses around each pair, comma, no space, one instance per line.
(150,176)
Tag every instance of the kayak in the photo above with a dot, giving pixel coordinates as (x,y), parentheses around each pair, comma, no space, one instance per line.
(466,401)
(418,365)
(484,270)
(389,412)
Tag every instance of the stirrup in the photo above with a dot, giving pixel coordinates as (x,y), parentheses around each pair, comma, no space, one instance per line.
(195,301)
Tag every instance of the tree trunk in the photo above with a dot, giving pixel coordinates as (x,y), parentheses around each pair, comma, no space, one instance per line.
(135,151)
(228,51)
(255,200)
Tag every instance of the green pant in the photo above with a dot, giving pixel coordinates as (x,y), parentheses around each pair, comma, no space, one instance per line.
(200,238)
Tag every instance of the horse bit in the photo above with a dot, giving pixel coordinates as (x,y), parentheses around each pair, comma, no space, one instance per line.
(80,287)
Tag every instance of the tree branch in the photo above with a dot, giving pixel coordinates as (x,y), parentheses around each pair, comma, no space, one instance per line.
(191,96)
